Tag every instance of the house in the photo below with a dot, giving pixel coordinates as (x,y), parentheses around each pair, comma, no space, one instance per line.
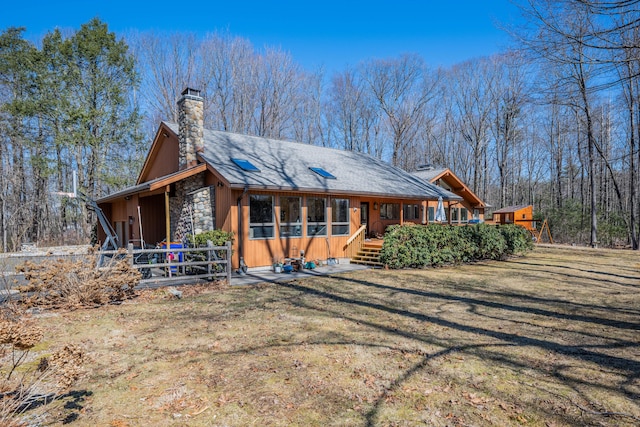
(279,198)
(470,208)
(520,215)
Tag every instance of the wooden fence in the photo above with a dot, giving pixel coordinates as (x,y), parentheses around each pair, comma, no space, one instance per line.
(164,264)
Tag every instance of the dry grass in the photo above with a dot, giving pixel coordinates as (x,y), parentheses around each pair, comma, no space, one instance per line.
(550,339)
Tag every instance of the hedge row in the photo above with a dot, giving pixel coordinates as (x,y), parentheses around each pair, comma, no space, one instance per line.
(418,246)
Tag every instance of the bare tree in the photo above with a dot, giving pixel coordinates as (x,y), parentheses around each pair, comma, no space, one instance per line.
(473,102)
(402,88)
(509,95)
(351,110)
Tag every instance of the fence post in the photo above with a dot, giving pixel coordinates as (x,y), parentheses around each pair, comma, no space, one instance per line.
(228,265)
(130,252)
(209,257)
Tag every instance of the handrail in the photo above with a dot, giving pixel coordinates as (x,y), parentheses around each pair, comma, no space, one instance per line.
(351,248)
(353,237)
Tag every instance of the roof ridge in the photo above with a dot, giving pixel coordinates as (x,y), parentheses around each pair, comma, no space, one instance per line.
(286,141)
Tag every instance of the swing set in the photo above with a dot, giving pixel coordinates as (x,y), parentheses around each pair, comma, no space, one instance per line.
(538,232)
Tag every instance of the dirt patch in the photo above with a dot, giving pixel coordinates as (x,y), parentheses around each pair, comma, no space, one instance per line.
(550,339)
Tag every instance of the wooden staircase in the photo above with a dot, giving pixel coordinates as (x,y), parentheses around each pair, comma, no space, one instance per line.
(369,254)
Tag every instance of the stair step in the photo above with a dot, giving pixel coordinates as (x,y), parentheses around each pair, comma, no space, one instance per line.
(369,254)
(367,257)
(370,263)
(369,251)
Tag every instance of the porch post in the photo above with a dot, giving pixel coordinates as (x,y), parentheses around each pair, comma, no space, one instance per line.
(425,207)
(167,217)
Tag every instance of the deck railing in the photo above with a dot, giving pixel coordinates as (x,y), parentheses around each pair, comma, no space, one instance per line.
(355,242)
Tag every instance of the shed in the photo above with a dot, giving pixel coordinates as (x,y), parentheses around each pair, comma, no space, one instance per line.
(519,214)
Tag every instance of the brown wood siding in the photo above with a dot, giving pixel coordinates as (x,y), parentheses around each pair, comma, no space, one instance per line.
(379,225)
(262,252)
(165,159)
(118,212)
(523,217)
(153,218)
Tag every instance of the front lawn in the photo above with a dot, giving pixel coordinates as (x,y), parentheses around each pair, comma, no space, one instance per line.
(549,339)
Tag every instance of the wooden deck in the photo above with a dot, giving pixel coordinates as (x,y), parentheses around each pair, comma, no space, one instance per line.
(374,242)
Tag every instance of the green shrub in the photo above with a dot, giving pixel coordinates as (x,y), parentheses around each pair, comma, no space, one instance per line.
(488,241)
(217,237)
(414,246)
(518,239)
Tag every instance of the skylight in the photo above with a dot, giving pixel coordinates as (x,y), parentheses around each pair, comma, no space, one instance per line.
(245,165)
(323,173)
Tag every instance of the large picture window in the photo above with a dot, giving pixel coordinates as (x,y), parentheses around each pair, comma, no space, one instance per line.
(290,217)
(339,217)
(411,212)
(261,224)
(316,216)
(390,211)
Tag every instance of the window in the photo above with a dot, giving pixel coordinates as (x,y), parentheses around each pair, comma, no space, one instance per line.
(389,210)
(290,217)
(476,214)
(454,214)
(432,214)
(261,216)
(464,215)
(245,165)
(316,216)
(339,217)
(323,173)
(411,212)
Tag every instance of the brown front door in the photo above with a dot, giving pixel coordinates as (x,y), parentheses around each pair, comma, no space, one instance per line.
(364,215)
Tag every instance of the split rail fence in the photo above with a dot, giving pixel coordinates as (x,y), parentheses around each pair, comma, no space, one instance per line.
(165,264)
(156,265)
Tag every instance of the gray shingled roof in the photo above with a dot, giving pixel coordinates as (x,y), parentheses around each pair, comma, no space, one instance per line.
(427,174)
(285,165)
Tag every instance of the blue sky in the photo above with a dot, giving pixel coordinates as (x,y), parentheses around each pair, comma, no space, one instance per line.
(330,33)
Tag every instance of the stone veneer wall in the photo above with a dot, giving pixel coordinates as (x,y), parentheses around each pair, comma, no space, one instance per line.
(191,129)
(192,200)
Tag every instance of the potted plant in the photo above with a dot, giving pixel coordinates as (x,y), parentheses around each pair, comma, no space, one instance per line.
(277,266)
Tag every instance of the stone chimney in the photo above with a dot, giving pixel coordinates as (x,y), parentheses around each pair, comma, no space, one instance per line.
(190,127)
(425,167)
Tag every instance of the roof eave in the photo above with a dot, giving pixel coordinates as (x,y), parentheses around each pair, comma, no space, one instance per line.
(124,193)
(243,186)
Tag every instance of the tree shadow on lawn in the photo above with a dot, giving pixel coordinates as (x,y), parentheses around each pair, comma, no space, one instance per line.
(602,277)
(497,305)
(629,368)
(72,404)
(564,304)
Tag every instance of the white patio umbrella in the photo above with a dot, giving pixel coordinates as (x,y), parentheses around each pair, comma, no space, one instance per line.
(441,216)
